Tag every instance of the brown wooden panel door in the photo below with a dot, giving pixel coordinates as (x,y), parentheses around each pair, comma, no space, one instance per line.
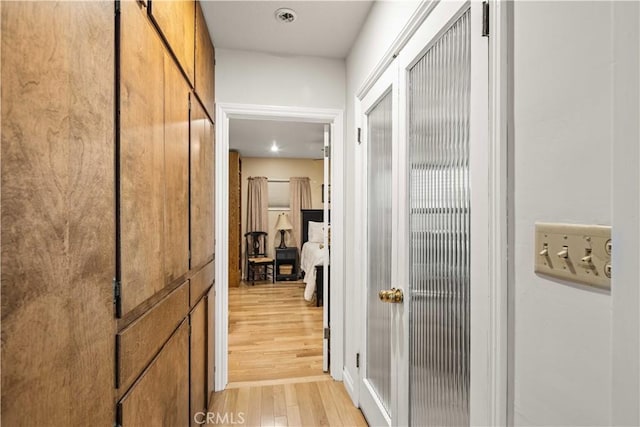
(176,21)
(176,151)
(202,186)
(142,188)
(57,204)
(141,340)
(205,64)
(161,396)
(198,382)
(234,219)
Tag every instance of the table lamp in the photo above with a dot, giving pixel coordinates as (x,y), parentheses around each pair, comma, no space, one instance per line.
(283,225)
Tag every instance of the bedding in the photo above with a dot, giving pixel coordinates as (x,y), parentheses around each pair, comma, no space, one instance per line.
(316,232)
(313,253)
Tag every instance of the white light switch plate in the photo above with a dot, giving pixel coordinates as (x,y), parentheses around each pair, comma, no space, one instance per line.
(574,252)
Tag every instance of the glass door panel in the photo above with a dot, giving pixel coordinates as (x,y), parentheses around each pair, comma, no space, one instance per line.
(438,93)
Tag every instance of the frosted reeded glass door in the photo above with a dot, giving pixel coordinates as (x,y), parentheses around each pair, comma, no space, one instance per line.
(379,209)
(439,225)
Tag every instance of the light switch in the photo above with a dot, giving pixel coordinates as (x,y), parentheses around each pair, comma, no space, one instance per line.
(574,252)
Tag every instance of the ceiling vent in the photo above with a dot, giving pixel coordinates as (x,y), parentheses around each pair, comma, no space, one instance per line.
(286,16)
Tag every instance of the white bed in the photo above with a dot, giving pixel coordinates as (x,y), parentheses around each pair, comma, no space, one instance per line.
(313,254)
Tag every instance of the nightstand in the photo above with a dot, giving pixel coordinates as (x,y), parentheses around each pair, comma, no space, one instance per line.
(286,258)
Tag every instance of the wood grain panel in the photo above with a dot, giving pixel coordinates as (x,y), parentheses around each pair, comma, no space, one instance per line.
(200,282)
(234,219)
(140,341)
(176,21)
(205,64)
(57,213)
(198,382)
(176,155)
(202,186)
(161,396)
(141,157)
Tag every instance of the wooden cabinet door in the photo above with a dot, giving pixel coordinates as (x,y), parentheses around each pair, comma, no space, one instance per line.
(234,219)
(141,157)
(176,21)
(138,343)
(198,381)
(202,186)
(58,226)
(205,64)
(176,151)
(161,396)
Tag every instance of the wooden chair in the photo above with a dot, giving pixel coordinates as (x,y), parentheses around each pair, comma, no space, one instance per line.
(257,259)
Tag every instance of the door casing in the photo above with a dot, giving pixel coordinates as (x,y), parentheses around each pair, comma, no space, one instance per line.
(224,112)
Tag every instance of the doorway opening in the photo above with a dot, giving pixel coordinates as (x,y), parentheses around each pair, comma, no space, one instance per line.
(276,249)
(272,319)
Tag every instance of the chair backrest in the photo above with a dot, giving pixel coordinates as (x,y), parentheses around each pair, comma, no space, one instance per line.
(256,244)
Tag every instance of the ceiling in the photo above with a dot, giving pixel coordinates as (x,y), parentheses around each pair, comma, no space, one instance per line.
(322,28)
(254,138)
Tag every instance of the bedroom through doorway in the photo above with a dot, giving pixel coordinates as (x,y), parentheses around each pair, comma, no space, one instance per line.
(278,248)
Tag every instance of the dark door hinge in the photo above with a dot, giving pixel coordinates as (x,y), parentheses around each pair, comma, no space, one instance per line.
(359,135)
(117,293)
(327,151)
(327,333)
(485,19)
(357,360)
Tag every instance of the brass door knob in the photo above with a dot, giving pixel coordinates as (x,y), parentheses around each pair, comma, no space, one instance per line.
(392,295)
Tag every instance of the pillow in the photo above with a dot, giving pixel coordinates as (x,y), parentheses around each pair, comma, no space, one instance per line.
(316,232)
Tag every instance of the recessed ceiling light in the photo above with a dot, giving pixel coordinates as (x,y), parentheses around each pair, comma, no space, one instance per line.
(285,15)
(274,147)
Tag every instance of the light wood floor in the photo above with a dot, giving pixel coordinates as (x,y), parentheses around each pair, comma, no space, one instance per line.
(273,333)
(275,362)
(300,403)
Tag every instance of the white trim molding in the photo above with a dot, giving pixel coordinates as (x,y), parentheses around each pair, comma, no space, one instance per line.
(415,20)
(225,112)
(625,291)
(498,369)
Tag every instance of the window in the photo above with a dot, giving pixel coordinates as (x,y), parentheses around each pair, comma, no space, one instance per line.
(278,195)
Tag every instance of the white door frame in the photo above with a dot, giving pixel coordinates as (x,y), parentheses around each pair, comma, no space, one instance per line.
(625,290)
(225,112)
(491,396)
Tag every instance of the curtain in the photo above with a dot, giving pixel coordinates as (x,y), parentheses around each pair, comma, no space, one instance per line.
(257,203)
(300,191)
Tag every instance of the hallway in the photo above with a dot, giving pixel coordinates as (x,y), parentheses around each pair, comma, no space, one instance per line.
(275,362)
(322,402)
(273,333)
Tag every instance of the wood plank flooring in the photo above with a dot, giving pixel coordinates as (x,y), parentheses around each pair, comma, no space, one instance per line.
(273,333)
(275,363)
(301,403)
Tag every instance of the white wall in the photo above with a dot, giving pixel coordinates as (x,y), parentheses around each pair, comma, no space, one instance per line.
(563,132)
(385,21)
(266,79)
